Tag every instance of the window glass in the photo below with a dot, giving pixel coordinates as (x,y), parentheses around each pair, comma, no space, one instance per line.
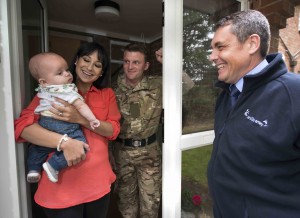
(33,43)
(198,103)
(32,34)
(195,200)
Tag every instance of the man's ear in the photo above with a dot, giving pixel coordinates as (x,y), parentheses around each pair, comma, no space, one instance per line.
(254,43)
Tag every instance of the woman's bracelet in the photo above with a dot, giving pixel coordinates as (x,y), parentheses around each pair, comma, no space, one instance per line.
(63,139)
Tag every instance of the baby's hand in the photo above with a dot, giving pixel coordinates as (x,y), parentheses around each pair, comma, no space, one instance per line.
(94,124)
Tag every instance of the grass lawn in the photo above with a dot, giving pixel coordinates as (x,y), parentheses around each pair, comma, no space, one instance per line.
(194,164)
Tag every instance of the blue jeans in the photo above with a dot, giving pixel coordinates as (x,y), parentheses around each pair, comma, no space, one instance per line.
(37,155)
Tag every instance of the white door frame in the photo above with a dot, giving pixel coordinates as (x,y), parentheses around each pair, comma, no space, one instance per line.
(15,194)
(11,67)
(172,98)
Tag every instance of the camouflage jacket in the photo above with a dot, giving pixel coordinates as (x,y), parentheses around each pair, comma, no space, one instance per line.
(140,107)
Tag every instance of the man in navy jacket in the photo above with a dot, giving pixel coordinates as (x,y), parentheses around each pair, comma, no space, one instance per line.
(254,169)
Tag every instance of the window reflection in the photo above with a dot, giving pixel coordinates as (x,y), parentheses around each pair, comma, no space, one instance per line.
(199,102)
(32,34)
(33,43)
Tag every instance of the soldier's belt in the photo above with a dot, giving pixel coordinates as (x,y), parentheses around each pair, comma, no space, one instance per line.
(138,143)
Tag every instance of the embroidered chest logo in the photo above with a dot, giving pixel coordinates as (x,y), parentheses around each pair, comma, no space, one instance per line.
(252,119)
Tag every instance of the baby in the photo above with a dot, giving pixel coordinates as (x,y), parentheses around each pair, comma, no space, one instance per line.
(55,81)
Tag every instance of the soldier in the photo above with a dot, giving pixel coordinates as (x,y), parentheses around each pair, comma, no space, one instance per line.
(137,152)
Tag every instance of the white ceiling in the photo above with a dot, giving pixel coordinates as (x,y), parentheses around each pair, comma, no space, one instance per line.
(139,19)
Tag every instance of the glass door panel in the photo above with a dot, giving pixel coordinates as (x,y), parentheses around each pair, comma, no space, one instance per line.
(34,35)
(195,199)
(198,103)
(198,20)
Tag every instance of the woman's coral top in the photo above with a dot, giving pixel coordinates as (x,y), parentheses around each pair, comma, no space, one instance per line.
(90,179)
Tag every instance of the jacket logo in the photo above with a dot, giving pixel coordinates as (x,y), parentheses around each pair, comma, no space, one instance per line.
(252,119)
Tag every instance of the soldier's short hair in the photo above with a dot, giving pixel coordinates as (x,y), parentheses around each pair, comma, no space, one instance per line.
(138,47)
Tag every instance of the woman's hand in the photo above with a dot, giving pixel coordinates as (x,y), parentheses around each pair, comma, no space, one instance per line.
(74,151)
(67,112)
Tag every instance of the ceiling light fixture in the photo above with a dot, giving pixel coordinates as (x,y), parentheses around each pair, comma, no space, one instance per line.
(107,10)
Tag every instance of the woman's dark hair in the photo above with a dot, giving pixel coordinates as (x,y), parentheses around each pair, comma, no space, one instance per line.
(87,49)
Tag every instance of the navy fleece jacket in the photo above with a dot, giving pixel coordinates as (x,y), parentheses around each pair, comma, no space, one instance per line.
(254,169)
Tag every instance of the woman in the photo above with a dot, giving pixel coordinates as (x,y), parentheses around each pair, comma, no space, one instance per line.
(83,190)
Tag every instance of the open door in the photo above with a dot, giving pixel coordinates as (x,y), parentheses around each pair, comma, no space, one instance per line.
(189,117)
(35,40)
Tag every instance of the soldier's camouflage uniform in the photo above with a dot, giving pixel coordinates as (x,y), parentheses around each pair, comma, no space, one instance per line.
(138,169)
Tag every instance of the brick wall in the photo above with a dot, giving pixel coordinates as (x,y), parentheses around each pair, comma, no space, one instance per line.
(283,16)
(276,12)
(289,42)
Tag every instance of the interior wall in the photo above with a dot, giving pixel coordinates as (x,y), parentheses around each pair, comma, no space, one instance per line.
(67,44)
(66,47)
